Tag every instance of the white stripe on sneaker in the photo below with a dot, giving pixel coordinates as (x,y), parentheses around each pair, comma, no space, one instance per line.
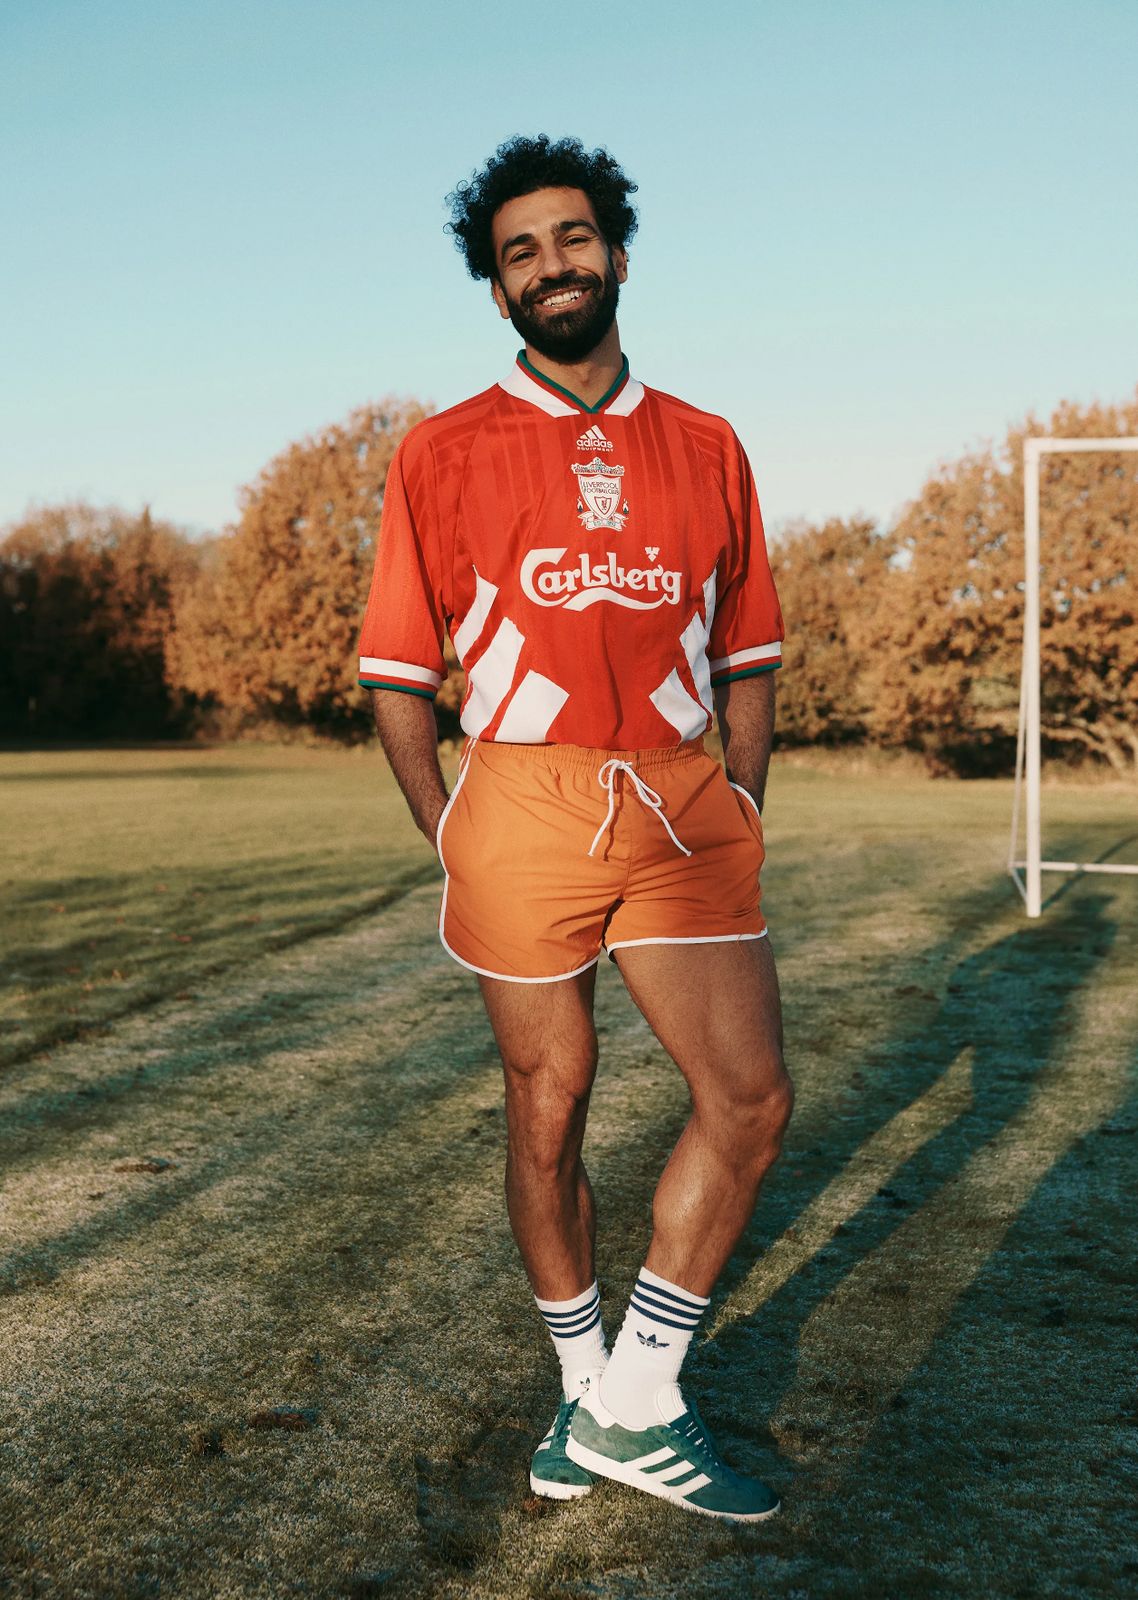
(651,1460)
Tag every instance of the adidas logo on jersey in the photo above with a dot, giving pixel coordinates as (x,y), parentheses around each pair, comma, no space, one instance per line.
(593,439)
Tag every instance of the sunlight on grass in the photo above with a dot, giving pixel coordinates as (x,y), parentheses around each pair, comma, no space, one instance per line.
(136,875)
(855,1186)
(896,1300)
(270,1183)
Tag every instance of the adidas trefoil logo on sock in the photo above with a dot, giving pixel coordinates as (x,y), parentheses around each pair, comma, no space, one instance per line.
(593,439)
(652,1342)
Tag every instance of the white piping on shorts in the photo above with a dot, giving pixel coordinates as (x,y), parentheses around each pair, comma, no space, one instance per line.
(748,797)
(708,938)
(485,972)
(505,977)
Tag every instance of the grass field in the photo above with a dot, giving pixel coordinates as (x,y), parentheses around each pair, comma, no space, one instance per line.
(264,1332)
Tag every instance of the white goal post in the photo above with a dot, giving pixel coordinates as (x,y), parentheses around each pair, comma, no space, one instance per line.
(1028,874)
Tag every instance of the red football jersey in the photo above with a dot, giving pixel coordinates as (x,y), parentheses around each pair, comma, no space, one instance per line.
(598,568)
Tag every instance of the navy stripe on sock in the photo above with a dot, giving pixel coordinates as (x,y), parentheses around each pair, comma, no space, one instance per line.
(671,1306)
(680,1301)
(571,1316)
(664,1306)
(568,1324)
(578,1328)
(654,1315)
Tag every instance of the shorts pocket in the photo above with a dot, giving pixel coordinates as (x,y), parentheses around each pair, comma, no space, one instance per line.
(439,831)
(749,809)
(447,821)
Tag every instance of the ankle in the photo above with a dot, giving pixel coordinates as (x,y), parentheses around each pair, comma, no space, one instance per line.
(640,1385)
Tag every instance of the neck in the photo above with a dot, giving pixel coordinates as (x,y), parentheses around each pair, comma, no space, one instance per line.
(588,379)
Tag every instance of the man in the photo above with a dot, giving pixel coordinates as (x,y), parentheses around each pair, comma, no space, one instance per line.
(595,550)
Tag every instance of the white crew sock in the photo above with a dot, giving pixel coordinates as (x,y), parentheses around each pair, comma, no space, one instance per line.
(640,1384)
(578,1337)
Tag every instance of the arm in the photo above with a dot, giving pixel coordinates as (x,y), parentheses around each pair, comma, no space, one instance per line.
(410,740)
(746,724)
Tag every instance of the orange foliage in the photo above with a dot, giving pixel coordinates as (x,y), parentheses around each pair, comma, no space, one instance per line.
(943,675)
(115,625)
(829,581)
(269,626)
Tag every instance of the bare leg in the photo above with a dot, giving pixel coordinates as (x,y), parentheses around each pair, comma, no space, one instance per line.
(715,1009)
(548,1045)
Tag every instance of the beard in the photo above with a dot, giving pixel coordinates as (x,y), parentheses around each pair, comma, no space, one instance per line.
(574,333)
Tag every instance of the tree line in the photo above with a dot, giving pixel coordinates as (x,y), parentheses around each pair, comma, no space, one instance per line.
(907,637)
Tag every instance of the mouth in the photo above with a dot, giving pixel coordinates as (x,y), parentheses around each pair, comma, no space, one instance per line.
(562,299)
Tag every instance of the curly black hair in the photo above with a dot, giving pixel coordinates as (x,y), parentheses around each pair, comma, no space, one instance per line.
(524,164)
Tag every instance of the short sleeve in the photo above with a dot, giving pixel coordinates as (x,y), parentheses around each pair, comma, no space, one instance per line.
(401,643)
(747,629)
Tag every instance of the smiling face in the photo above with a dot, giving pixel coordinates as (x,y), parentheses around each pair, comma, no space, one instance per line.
(557,280)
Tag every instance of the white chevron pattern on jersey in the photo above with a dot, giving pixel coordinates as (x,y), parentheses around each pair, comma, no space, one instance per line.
(672,698)
(485,594)
(532,710)
(676,706)
(491,676)
(694,640)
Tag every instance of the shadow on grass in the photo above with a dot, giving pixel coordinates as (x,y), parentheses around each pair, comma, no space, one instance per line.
(871,1269)
(1105,857)
(159,971)
(418,1080)
(994,1041)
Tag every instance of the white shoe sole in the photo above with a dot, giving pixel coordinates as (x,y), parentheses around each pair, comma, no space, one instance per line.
(558,1491)
(605,1467)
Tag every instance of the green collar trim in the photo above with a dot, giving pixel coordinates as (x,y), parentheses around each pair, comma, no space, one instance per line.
(610,394)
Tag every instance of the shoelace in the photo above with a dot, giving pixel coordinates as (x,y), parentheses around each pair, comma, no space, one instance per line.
(695,1434)
(564,1417)
(606,777)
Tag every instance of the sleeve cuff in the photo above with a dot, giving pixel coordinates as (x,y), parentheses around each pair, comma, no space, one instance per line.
(745,663)
(377,672)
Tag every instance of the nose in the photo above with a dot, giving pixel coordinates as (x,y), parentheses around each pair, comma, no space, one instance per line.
(552,260)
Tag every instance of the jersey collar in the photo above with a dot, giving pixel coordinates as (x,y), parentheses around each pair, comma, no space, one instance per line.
(525,382)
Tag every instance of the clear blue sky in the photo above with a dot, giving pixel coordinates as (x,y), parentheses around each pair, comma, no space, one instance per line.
(872,233)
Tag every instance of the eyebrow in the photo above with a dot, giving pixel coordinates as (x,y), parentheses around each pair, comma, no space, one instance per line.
(558,227)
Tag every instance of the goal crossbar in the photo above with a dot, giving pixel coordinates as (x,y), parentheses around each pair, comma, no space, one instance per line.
(1027,873)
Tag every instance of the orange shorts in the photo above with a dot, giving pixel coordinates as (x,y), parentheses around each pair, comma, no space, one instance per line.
(555,852)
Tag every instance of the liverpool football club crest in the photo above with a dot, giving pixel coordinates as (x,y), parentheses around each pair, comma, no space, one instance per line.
(600,495)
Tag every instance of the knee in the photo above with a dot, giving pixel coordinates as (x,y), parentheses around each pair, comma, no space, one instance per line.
(760,1117)
(547,1099)
(777,1107)
(540,1072)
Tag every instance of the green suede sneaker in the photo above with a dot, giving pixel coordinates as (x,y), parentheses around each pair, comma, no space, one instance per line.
(551,1472)
(676,1460)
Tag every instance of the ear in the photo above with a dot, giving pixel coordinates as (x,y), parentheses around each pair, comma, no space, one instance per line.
(499,297)
(620,263)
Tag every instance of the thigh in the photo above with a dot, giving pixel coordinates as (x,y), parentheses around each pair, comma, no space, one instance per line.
(545,1033)
(715,1009)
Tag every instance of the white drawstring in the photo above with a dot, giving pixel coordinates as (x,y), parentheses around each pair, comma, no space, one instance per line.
(607,776)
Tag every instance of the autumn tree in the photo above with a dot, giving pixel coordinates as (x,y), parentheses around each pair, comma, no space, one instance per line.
(828,580)
(269,626)
(85,605)
(944,677)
